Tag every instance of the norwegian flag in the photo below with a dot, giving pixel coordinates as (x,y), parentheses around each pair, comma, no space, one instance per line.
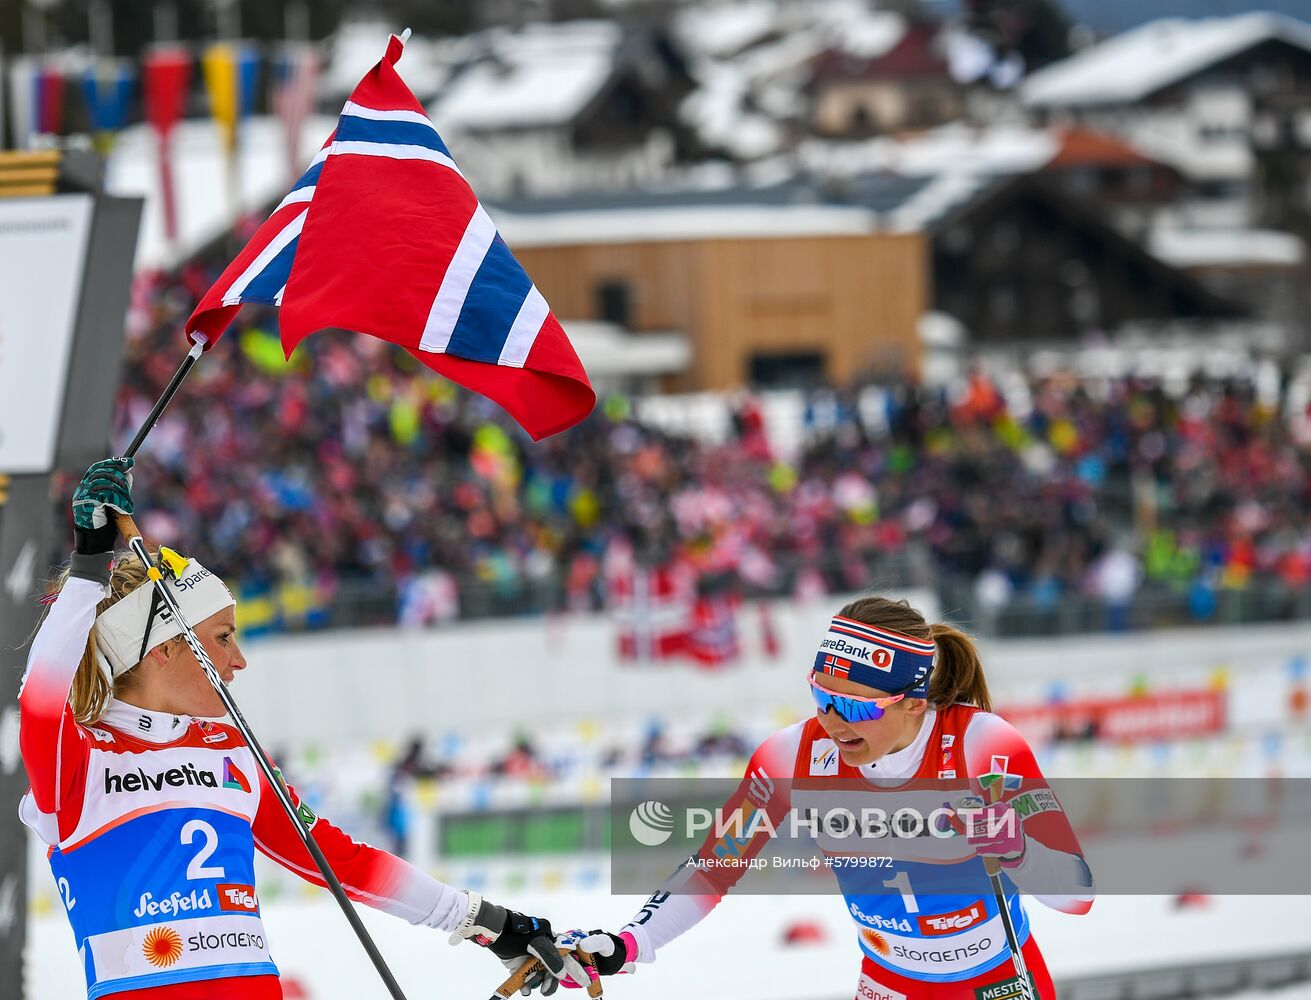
(653,611)
(383,235)
(836,665)
(712,638)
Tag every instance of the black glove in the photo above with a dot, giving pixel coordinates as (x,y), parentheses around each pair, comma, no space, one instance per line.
(106,486)
(515,938)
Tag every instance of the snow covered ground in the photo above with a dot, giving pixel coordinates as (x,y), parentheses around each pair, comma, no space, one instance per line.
(738,952)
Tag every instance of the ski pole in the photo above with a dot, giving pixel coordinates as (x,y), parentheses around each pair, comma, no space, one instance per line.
(993,867)
(128,529)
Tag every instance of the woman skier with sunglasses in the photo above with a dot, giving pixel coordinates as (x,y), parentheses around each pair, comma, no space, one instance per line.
(903,721)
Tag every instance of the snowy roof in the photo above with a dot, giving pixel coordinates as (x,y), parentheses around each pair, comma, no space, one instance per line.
(726,29)
(1138,63)
(934,200)
(716,111)
(751,60)
(542,74)
(903,184)
(200,179)
(1228,247)
(954,149)
(687,222)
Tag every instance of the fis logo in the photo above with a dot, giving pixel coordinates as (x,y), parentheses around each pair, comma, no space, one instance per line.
(823,758)
(239,898)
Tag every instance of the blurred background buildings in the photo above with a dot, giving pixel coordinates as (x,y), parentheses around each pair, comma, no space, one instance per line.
(1000,304)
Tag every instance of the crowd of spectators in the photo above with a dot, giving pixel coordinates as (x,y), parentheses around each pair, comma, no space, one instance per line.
(353,469)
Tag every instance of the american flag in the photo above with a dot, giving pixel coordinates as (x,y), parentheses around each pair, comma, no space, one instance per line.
(383,235)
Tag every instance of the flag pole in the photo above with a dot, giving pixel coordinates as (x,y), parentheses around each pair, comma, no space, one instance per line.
(128,529)
(170,390)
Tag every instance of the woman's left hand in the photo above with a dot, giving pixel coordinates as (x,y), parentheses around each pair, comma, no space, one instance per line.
(994,830)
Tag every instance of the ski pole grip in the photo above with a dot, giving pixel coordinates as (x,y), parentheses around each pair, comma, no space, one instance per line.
(517,979)
(530,968)
(126,526)
(992,866)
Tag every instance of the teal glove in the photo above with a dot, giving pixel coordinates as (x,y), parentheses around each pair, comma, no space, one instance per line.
(106,486)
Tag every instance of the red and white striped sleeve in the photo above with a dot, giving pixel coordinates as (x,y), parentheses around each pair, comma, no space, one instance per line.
(369,876)
(54,747)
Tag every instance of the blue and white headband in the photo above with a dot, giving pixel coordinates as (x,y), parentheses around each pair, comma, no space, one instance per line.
(875,657)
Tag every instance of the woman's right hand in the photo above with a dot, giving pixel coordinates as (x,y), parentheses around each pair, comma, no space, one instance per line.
(106,486)
(611,954)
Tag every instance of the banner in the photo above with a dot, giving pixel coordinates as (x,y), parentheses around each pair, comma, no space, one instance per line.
(108,86)
(1166,715)
(49,110)
(166,73)
(22,100)
(231,76)
(295,75)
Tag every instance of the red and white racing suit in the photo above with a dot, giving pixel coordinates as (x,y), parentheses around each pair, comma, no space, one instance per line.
(152,821)
(935,931)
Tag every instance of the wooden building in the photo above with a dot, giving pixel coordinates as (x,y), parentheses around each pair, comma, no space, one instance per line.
(807,282)
(796,309)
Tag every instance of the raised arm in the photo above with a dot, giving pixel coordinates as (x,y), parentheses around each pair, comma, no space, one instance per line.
(53,745)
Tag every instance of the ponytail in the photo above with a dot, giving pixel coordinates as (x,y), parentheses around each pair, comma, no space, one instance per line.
(92,689)
(958,672)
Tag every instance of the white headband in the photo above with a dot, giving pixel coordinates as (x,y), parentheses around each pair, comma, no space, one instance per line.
(121,629)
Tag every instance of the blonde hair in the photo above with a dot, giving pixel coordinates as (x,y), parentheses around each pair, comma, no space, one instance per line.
(91,688)
(957,675)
